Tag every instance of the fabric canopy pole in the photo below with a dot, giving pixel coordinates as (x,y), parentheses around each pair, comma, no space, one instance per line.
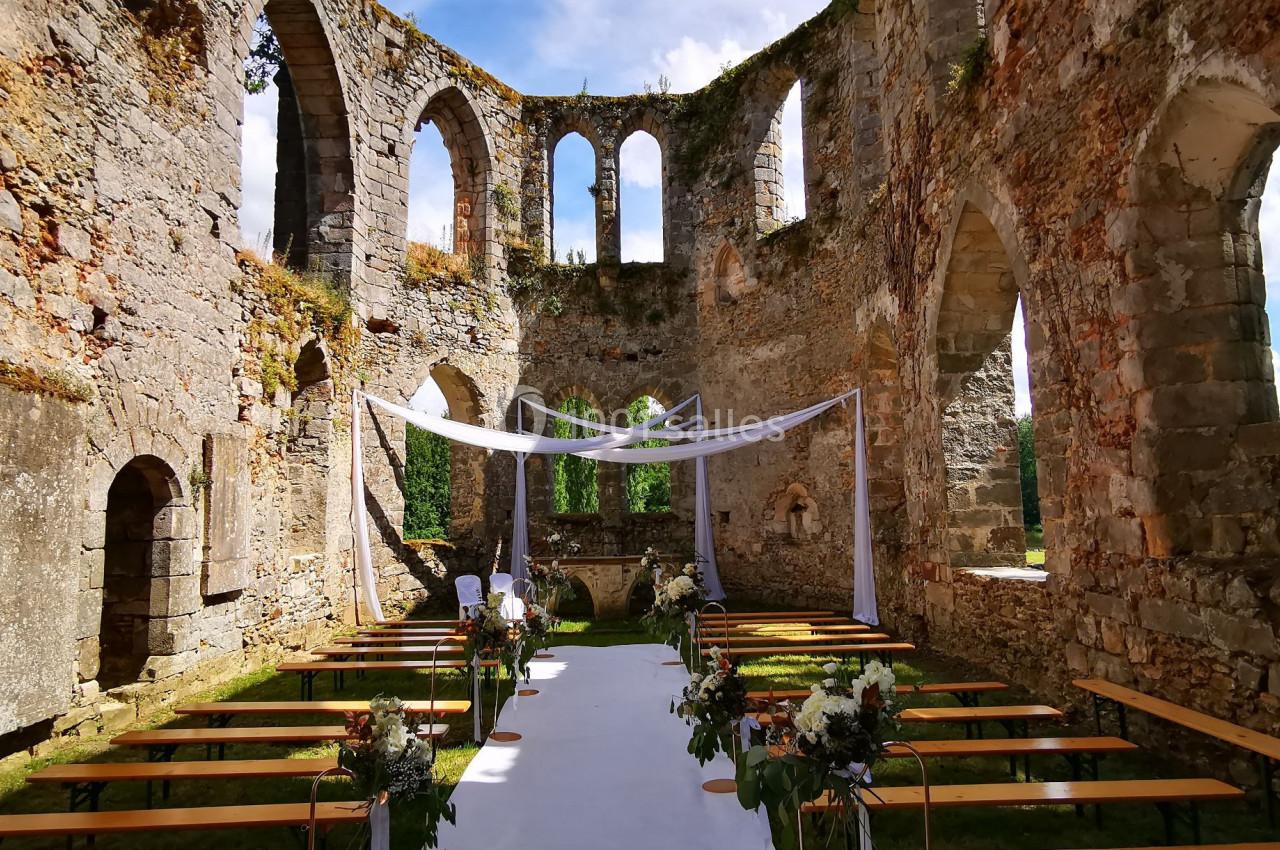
(359,522)
(704,544)
(864,575)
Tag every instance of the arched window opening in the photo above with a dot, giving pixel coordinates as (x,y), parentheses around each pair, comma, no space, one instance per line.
(779,167)
(1022,406)
(729,275)
(648,484)
(1268,230)
(448,179)
(641,199)
(138,493)
(310,437)
(575,483)
(443,480)
(573,201)
(976,384)
(296,169)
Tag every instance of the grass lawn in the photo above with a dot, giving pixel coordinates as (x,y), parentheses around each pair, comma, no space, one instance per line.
(970,829)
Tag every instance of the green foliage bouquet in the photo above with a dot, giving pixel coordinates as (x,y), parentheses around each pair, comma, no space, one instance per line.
(674,601)
(490,635)
(539,625)
(390,762)
(711,704)
(834,740)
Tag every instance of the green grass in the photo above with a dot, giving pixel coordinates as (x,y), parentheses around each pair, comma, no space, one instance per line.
(965,829)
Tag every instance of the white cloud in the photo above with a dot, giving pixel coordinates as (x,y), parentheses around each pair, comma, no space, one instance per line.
(429,399)
(1021,368)
(641,246)
(258,169)
(692,64)
(575,233)
(793,155)
(641,161)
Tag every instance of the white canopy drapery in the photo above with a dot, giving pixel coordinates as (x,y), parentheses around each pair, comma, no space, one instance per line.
(612,447)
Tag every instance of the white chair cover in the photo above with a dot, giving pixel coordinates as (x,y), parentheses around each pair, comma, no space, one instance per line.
(468,590)
(512,605)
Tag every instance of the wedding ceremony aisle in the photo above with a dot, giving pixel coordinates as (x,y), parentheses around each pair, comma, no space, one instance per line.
(601,763)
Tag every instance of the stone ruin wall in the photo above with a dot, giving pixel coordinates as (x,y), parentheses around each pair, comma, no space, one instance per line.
(1052,176)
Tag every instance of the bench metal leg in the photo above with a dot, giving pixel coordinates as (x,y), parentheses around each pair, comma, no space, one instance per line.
(161,752)
(1268,789)
(84,792)
(1171,814)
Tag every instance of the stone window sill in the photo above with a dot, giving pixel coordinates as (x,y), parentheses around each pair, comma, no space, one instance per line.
(1008,573)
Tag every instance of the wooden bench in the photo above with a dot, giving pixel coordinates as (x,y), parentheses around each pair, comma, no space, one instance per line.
(710,638)
(967,693)
(296,815)
(162,743)
(341,652)
(222,713)
(420,633)
(884,651)
(394,640)
(746,615)
(787,628)
(1016,719)
(454,623)
(85,782)
(820,620)
(309,670)
(1164,793)
(1266,747)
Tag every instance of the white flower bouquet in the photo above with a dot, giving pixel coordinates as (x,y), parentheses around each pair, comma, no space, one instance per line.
(674,599)
(711,703)
(490,635)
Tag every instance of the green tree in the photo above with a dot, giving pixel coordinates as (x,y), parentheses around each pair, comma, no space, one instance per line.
(648,484)
(576,487)
(1027,466)
(265,57)
(427,466)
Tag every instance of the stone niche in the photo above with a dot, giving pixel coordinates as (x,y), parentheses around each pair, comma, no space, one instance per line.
(42,484)
(227,565)
(795,514)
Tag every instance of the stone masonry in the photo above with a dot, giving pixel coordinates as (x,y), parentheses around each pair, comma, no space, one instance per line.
(177,413)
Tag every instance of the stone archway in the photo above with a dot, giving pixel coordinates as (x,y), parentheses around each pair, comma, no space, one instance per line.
(135,554)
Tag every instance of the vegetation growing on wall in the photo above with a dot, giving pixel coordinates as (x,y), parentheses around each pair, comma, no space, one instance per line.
(576,489)
(54,384)
(171,34)
(427,485)
(1027,466)
(971,68)
(296,305)
(424,263)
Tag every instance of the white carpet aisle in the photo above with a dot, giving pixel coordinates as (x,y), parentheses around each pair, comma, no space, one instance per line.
(602,766)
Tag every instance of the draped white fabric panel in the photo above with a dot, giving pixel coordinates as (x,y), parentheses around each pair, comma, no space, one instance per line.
(704,543)
(864,576)
(609,429)
(359,521)
(520,523)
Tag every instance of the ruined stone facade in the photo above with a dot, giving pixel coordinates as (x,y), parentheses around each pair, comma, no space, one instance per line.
(177,415)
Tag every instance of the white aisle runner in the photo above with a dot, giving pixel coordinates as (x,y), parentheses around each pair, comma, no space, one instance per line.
(602,765)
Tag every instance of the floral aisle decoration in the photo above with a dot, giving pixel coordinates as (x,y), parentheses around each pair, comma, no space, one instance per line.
(391,763)
(539,625)
(830,747)
(675,601)
(712,704)
(550,579)
(491,636)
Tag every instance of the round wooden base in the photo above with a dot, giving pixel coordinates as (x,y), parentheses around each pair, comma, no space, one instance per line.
(720,786)
(673,664)
(505,737)
(528,692)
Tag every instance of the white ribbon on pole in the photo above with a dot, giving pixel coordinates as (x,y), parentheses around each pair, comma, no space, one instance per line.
(864,574)
(359,521)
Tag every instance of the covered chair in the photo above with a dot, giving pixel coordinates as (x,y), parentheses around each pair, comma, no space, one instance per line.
(512,605)
(469,593)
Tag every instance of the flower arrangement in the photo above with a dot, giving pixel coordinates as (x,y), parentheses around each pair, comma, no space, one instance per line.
(838,734)
(674,600)
(549,578)
(390,763)
(490,635)
(539,625)
(711,704)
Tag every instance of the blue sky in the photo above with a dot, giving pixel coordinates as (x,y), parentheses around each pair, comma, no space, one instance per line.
(551,47)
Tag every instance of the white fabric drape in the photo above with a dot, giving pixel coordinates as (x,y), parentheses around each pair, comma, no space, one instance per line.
(520,523)
(359,522)
(864,576)
(704,543)
(609,429)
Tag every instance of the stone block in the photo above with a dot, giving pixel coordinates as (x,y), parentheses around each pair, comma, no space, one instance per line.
(89,658)
(88,612)
(1242,634)
(171,558)
(115,717)
(173,596)
(171,635)
(1161,615)
(228,520)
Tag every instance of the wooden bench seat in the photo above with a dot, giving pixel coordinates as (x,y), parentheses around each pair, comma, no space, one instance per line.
(85,782)
(163,742)
(787,628)
(776,621)
(711,638)
(1266,747)
(420,633)
(882,649)
(1010,747)
(1085,792)
(410,649)
(220,713)
(1014,718)
(309,670)
(455,622)
(394,640)
(746,615)
(328,815)
(967,693)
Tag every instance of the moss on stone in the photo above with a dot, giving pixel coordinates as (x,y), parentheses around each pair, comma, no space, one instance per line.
(55,384)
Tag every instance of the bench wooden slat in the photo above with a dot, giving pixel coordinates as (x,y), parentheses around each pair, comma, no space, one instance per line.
(423,633)
(173,770)
(248,735)
(930,688)
(454,706)
(741,615)
(393,640)
(777,621)
(325,666)
(412,649)
(167,820)
(395,623)
(733,641)
(1223,730)
(979,713)
(977,747)
(838,649)
(788,628)
(1083,792)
